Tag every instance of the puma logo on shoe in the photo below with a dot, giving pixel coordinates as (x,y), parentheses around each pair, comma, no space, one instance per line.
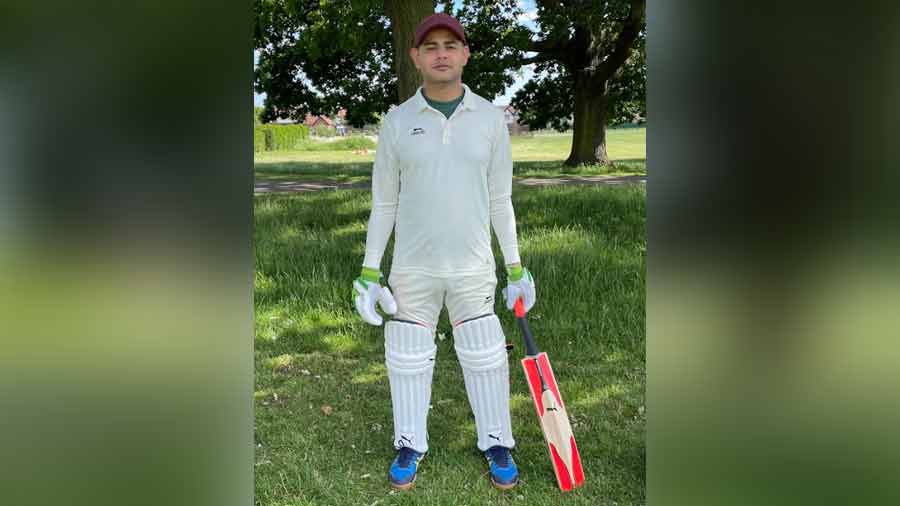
(552,409)
(417,131)
(405,441)
(494,437)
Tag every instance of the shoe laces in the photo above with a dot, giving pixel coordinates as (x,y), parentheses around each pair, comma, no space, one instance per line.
(406,457)
(500,455)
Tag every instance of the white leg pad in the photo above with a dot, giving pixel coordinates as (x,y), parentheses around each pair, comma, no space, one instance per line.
(409,352)
(481,349)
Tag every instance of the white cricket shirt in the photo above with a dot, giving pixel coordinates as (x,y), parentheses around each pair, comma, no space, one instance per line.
(441,184)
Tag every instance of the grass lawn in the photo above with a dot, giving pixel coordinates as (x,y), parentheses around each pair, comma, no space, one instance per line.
(622,144)
(534,156)
(322,400)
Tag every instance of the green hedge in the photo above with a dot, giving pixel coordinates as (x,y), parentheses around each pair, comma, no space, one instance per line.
(279,137)
(259,139)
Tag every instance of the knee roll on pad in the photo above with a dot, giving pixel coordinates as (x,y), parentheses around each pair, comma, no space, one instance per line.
(409,352)
(480,344)
(408,348)
(481,348)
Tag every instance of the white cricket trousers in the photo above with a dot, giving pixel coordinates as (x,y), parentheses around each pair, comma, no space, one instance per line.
(480,347)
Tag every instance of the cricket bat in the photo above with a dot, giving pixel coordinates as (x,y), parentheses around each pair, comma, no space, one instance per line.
(550,410)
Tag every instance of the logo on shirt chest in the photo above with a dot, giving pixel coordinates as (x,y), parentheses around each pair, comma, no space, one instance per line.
(417,131)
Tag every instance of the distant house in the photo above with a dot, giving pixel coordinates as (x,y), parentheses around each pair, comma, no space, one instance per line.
(319,120)
(313,121)
(511,115)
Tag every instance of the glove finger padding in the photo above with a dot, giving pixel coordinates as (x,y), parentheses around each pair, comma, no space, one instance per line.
(510,294)
(386,301)
(365,302)
(529,296)
(523,288)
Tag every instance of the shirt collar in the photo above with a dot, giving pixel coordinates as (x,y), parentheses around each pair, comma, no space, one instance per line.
(468,101)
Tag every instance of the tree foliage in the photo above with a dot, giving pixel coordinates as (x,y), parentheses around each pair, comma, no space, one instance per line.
(582,49)
(546,100)
(317,56)
(495,42)
(627,89)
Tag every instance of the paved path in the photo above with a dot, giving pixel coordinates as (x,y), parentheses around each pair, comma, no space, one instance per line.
(304,186)
(312,186)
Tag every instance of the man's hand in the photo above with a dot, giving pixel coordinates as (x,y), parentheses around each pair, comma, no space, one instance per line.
(520,283)
(367,291)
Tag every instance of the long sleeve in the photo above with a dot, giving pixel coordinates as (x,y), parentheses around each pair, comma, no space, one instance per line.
(385,194)
(503,218)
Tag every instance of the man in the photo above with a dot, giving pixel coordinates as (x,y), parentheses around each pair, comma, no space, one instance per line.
(442,178)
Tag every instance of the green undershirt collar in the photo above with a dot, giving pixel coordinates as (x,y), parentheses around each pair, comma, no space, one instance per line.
(446,108)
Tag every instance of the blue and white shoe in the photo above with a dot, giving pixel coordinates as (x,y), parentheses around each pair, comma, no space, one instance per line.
(504,474)
(403,469)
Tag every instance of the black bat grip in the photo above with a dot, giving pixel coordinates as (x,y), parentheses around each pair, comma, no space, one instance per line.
(530,347)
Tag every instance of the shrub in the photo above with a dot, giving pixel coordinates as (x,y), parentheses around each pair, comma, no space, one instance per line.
(287,136)
(259,138)
(353,143)
(279,137)
(346,144)
(325,131)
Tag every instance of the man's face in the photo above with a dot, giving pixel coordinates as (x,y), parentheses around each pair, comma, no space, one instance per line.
(441,57)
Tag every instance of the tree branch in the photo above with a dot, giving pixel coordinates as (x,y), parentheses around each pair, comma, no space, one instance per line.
(546,46)
(550,50)
(630,30)
(540,58)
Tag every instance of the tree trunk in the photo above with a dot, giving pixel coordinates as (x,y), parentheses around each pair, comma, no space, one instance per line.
(405,16)
(589,123)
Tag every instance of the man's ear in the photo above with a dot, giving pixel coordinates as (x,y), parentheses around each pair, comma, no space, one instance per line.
(414,55)
(465,55)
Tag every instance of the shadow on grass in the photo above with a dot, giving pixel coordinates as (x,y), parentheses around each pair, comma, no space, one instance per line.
(611,212)
(315,168)
(308,249)
(279,170)
(625,165)
(297,337)
(323,211)
(585,246)
(576,240)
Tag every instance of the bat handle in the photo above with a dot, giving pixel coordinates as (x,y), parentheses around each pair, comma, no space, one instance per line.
(519,307)
(530,346)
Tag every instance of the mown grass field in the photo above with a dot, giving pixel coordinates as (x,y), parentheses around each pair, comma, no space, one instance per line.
(534,156)
(322,401)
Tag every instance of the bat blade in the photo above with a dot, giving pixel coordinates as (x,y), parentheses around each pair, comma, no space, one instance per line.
(554,421)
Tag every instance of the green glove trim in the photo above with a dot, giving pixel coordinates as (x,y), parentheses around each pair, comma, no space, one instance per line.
(515,273)
(371,275)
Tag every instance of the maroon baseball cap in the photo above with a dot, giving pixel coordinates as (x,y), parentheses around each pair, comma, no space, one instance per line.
(439,20)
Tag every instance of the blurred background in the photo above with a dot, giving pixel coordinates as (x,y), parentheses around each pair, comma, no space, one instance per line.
(125,260)
(772,348)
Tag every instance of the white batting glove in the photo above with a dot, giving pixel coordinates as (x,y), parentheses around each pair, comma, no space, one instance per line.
(520,283)
(367,291)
